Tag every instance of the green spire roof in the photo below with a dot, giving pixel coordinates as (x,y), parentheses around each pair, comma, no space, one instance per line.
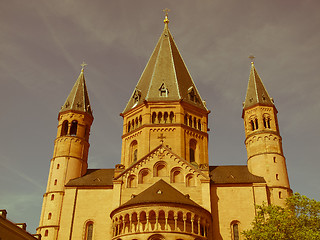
(78,98)
(256,92)
(165,77)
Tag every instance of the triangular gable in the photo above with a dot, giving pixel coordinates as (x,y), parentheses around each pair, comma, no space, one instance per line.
(161,151)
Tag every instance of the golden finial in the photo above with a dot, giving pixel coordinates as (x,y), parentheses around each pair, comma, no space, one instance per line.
(166,10)
(252,57)
(83,65)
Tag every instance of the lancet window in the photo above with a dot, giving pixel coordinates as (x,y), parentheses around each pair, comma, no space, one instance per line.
(192,121)
(89,231)
(192,150)
(253,123)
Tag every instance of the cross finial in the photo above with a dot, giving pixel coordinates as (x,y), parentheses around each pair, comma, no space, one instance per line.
(166,10)
(252,57)
(161,137)
(83,65)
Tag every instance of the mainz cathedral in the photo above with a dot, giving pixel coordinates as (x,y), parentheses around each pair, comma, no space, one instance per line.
(163,188)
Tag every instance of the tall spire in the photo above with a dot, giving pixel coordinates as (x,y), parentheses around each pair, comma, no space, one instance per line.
(165,77)
(256,92)
(78,98)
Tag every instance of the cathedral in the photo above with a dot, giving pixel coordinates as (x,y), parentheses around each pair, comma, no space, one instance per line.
(163,188)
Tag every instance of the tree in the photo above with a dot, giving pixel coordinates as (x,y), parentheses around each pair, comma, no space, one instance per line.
(299,220)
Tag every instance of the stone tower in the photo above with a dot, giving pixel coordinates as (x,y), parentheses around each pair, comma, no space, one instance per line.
(263,140)
(165,108)
(70,155)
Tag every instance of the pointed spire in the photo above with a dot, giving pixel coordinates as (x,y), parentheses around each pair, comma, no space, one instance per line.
(256,92)
(78,98)
(165,77)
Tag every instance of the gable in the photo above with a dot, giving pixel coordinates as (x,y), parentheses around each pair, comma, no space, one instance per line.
(161,163)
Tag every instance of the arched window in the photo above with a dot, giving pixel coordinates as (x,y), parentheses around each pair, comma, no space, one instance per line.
(55,182)
(46,233)
(256,124)
(52,197)
(252,125)
(73,128)
(235,230)
(140,120)
(186,119)
(133,151)
(190,121)
(194,122)
(171,117)
(89,231)
(64,128)
(132,124)
(165,117)
(199,124)
(137,122)
(49,216)
(129,126)
(266,121)
(192,150)
(153,118)
(58,166)
(159,117)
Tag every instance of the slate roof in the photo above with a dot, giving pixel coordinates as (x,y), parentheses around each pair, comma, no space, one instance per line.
(93,178)
(78,98)
(256,92)
(218,175)
(160,192)
(165,70)
(233,174)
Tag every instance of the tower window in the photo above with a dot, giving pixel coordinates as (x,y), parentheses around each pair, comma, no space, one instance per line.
(153,118)
(52,197)
(235,231)
(89,231)
(135,155)
(171,117)
(274,159)
(73,128)
(165,117)
(64,129)
(194,122)
(49,216)
(46,233)
(256,124)
(277,176)
(280,195)
(140,120)
(133,151)
(199,124)
(58,166)
(190,121)
(55,182)
(129,126)
(186,119)
(159,117)
(266,121)
(192,150)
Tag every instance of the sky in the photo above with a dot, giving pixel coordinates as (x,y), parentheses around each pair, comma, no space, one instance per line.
(43,43)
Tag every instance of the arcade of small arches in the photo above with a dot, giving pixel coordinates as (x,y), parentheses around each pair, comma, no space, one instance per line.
(160,170)
(162,117)
(254,124)
(134,123)
(176,220)
(192,122)
(71,129)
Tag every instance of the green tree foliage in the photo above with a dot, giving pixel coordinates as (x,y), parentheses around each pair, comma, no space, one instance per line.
(299,220)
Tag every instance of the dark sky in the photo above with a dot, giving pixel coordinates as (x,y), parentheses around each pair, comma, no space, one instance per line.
(43,43)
